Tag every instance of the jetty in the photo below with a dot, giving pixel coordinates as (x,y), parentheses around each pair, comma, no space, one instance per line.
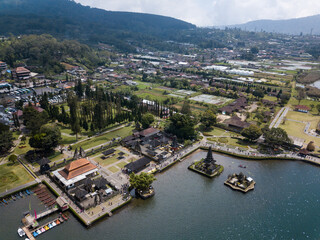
(240,182)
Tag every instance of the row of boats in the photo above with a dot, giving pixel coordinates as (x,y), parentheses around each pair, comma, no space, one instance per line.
(46,227)
(14,197)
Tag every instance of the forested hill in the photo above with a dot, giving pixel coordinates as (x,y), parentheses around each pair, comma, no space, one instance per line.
(67,19)
(295,26)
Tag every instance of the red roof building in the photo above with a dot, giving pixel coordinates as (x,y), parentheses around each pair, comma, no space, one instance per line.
(302,108)
(76,168)
(21,73)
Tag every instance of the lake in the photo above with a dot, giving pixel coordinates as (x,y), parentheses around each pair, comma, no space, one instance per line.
(283,205)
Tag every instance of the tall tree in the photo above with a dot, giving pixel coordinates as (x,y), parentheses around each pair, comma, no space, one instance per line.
(277,137)
(146,120)
(253,132)
(6,138)
(186,108)
(47,139)
(208,118)
(182,126)
(74,109)
(142,181)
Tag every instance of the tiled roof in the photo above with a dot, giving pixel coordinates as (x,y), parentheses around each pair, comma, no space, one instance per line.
(77,168)
(148,132)
(22,70)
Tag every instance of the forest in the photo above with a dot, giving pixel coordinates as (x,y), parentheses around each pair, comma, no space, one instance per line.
(44,53)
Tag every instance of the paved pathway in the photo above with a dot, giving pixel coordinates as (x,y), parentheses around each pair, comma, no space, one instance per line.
(12,190)
(279,117)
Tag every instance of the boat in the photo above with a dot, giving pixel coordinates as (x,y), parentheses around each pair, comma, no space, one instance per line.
(242,166)
(21,195)
(39,232)
(26,239)
(57,222)
(46,228)
(21,232)
(4,201)
(27,191)
(64,217)
(50,225)
(42,229)
(35,234)
(53,224)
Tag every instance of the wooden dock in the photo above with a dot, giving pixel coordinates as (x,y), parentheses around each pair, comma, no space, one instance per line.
(28,233)
(46,213)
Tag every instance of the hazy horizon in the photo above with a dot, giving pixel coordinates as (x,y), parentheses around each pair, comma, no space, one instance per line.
(214,12)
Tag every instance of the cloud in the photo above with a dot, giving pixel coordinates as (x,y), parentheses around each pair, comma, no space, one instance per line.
(214,12)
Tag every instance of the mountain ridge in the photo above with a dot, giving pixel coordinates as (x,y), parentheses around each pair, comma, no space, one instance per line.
(293,26)
(68,19)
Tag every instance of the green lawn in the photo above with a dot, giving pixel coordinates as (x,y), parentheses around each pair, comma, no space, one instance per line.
(109,160)
(305,117)
(98,140)
(66,140)
(16,134)
(114,169)
(12,176)
(121,164)
(216,132)
(293,101)
(233,142)
(152,94)
(22,148)
(56,156)
(296,129)
(270,98)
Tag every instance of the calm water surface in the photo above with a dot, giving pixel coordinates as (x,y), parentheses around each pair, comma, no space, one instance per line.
(284,205)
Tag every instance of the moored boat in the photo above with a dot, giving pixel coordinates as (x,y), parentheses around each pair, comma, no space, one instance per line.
(21,232)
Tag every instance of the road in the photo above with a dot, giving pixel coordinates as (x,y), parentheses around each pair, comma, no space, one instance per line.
(279,117)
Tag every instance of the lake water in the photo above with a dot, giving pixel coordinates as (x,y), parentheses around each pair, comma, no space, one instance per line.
(284,205)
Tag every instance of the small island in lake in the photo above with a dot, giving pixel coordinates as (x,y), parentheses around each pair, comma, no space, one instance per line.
(207,166)
(142,184)
(240,182)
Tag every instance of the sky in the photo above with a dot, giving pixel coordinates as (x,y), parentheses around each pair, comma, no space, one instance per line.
(205,13)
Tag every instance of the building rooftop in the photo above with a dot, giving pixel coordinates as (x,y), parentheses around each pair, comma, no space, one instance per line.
(20,70)
(76,168)
(148,132)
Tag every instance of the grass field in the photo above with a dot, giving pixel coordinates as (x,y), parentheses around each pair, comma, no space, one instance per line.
(305,117)
(233,141)
(98,140)
(270,98)
(22,148)
(114,169)
(12,176)
(193,106)
(296,129)
(109,160)
(217,132)
(293,101)
(152,94)
(121,164)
